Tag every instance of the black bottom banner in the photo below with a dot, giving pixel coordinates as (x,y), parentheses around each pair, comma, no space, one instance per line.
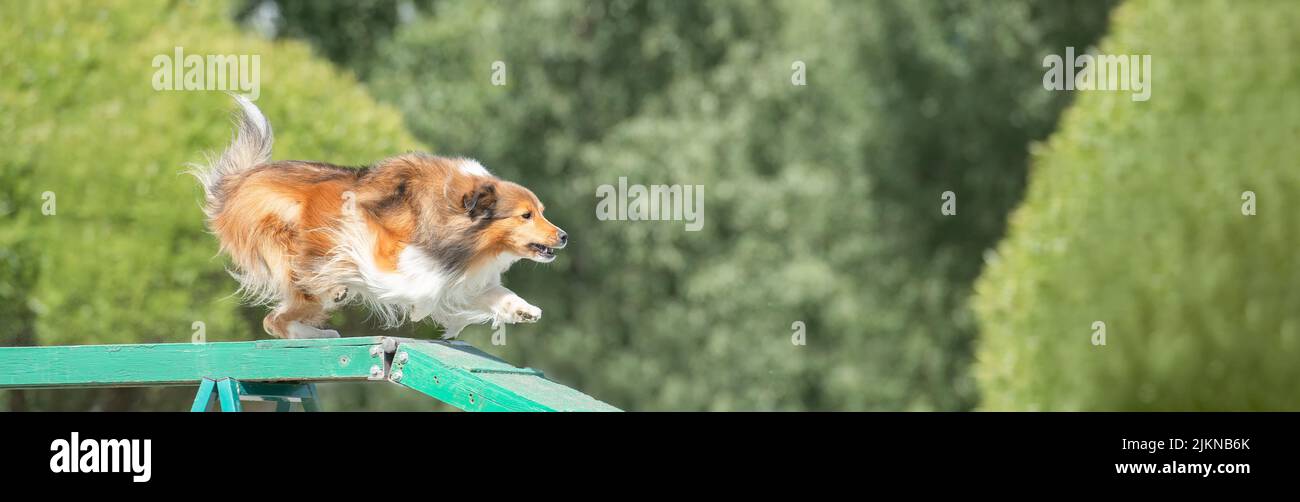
(148,451)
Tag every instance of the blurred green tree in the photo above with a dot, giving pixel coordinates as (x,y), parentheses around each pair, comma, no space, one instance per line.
(346,32)
(1134,218)
(821,200)
(19,262)
(125,257)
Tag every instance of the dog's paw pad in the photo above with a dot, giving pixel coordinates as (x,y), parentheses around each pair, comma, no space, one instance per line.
(526,312)
(515,310)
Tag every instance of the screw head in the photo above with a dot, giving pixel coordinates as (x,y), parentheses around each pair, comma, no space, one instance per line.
(376,372)
(376,350)
(397,375)
(403,357)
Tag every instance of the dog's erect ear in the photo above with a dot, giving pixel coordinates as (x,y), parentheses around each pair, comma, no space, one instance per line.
(481,201)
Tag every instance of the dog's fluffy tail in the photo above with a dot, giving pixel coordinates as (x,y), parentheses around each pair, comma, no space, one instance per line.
(251,147)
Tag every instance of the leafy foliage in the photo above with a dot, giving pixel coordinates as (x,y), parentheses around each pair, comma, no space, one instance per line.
(345,32)
(125,257)
(821,201)
(1134,218)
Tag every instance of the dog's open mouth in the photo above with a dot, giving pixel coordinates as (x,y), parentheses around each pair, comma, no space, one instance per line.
(542,253)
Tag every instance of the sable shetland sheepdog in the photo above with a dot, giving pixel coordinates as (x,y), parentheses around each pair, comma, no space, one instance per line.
(414,236)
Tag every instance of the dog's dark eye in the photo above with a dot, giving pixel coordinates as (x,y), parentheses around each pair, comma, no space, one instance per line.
(528,215)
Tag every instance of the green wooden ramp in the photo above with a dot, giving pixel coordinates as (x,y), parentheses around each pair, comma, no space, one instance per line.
(286,371)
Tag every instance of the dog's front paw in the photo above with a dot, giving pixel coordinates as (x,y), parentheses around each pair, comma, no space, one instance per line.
(528,313)
(512,309)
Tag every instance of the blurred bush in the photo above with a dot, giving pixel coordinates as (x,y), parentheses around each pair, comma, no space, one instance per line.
(1133,217)
(125,257)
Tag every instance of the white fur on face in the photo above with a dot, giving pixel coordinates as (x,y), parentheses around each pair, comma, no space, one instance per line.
(542,259)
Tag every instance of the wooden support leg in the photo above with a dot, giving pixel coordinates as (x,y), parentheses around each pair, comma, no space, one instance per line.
(228,394)
(203,400)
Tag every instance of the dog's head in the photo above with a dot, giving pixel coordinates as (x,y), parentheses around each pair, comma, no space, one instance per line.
(509,218)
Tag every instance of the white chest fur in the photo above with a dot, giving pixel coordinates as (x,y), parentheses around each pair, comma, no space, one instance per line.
(421,287)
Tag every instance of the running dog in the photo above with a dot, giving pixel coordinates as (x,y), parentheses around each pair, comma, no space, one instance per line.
(414,236)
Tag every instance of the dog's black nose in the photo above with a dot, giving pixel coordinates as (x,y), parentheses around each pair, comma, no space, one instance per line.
(564,238)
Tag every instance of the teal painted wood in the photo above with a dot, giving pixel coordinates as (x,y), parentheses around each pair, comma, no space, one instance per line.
(473,380)
(204,397)
(189,363)
(455,372)
(228,394)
